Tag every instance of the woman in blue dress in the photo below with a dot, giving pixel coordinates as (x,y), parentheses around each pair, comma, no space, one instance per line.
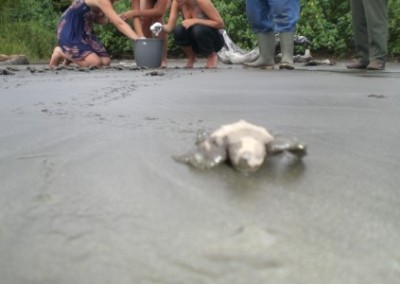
(77,41)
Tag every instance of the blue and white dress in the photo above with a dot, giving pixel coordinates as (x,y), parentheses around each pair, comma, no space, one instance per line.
(75,32)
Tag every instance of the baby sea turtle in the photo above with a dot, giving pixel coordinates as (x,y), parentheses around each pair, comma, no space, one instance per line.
(243,145)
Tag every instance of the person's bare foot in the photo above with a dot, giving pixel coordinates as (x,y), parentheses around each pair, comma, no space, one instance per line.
(190,62)
(56,57)
(211,61)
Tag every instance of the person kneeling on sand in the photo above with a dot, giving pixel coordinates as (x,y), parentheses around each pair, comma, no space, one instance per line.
(77,41)
(199,31)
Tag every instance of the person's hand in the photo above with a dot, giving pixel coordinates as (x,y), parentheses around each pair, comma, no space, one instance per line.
(139,38)
(127,15)
(188,23)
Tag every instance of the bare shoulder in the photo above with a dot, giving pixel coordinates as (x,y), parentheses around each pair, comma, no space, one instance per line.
(92,3)
(99,3)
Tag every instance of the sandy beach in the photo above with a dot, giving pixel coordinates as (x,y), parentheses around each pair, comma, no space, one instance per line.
(90,192)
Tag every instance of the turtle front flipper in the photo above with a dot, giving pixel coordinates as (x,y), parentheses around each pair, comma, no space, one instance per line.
(282,144)
(206,155)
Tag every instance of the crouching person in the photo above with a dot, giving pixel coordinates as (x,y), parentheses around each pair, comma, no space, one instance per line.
(199,31)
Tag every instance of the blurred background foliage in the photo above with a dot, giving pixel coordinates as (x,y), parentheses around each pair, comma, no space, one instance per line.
(29,27)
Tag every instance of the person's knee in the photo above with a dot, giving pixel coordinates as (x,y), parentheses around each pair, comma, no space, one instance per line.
(202,37)
(179,32)
(199,31)
(181,36)
(286,15)
(57,50)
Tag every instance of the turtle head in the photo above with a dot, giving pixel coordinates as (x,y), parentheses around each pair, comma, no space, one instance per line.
(247,154)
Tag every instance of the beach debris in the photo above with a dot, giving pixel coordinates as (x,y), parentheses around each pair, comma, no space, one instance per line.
(155,73)
(37,69)
(9,70)
(376,96)
(242,145)
(315,62)
(6,72)
(233,54)
(14,59)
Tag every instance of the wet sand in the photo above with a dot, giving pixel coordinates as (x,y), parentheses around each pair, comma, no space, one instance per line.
(90,192)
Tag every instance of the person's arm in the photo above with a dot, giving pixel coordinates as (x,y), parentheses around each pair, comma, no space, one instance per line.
(214,18)
(106,7)
(173,17)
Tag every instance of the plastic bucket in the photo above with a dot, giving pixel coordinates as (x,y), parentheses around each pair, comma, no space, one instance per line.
(148,52)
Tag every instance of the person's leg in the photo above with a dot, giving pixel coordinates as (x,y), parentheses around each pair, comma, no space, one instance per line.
(359,24)
(211,60)
(191,56)
(207,41)
(286,14)
(57,56)
(98,54)
(90,60)
(163,35)
(218,43)
(182,39)
(376,13)
(147,21)
(137,21)
(259,16)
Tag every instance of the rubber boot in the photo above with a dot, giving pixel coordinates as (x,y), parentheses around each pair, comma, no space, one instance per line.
(266,46)
(287,49)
